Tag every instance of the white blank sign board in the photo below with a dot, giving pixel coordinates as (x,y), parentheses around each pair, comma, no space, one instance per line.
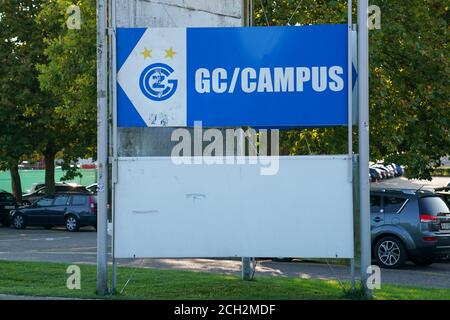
(165,210)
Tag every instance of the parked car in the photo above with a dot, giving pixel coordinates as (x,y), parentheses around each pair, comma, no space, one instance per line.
(383,171)
(400,169)
(393,169)
(72,210)
(7,203)
(29,198)
(408,225)
(375,174)
(390,172)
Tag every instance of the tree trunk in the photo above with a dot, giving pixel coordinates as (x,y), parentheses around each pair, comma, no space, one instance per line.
(49,159)
(16,184)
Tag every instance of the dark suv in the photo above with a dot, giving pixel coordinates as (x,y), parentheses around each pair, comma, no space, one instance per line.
(408,225)
(72,210)
(7,203)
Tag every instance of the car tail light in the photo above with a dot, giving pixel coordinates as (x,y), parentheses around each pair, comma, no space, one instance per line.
(92,205)
(429,239)
(428,218)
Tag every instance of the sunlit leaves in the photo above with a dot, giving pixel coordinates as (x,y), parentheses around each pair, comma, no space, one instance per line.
(409,87)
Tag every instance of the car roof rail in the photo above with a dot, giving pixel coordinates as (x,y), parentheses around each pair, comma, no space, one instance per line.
(444,189)
(405,191)
(390,190)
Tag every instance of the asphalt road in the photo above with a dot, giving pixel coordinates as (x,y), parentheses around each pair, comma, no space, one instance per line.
(57,245)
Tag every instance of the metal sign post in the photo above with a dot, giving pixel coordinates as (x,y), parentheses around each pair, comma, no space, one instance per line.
(350,111)
(247,21)
(102,150)
(364,187)
(113,142)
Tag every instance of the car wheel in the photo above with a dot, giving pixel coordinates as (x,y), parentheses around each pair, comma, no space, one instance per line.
(422,261)
(390,253)
(72,224)
(18,221)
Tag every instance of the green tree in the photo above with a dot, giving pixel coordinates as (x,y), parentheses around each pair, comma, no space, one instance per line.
(55,93)
(19,88)
(409,89)
(69,75)
(409,85)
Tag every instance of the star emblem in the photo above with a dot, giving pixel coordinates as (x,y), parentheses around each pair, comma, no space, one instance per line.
(147,53)
(170,53)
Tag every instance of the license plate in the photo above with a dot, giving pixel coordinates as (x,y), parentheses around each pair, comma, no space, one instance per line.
(445,226)
(9,207)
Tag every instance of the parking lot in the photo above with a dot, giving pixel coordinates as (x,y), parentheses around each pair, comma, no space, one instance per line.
(57,245)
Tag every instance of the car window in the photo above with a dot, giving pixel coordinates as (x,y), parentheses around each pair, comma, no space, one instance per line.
(64,188)
(78,200)
(70,189)
(447,199)
(4,197)
(432,206)
(393,204)
(375,204)
(44,202)
(61,200)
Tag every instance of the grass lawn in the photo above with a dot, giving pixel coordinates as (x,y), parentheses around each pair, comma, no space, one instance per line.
(49,279)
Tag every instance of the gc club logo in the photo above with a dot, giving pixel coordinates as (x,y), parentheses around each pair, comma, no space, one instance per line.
(156,83)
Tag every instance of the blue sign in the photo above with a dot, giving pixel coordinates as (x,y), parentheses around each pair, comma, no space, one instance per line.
(229,77)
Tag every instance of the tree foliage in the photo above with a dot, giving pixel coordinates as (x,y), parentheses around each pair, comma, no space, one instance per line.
(409,67)
(20,50)
(409,84)
(70,73)
(48,83)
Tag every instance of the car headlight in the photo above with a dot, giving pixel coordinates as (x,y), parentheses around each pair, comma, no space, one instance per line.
(11,213)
